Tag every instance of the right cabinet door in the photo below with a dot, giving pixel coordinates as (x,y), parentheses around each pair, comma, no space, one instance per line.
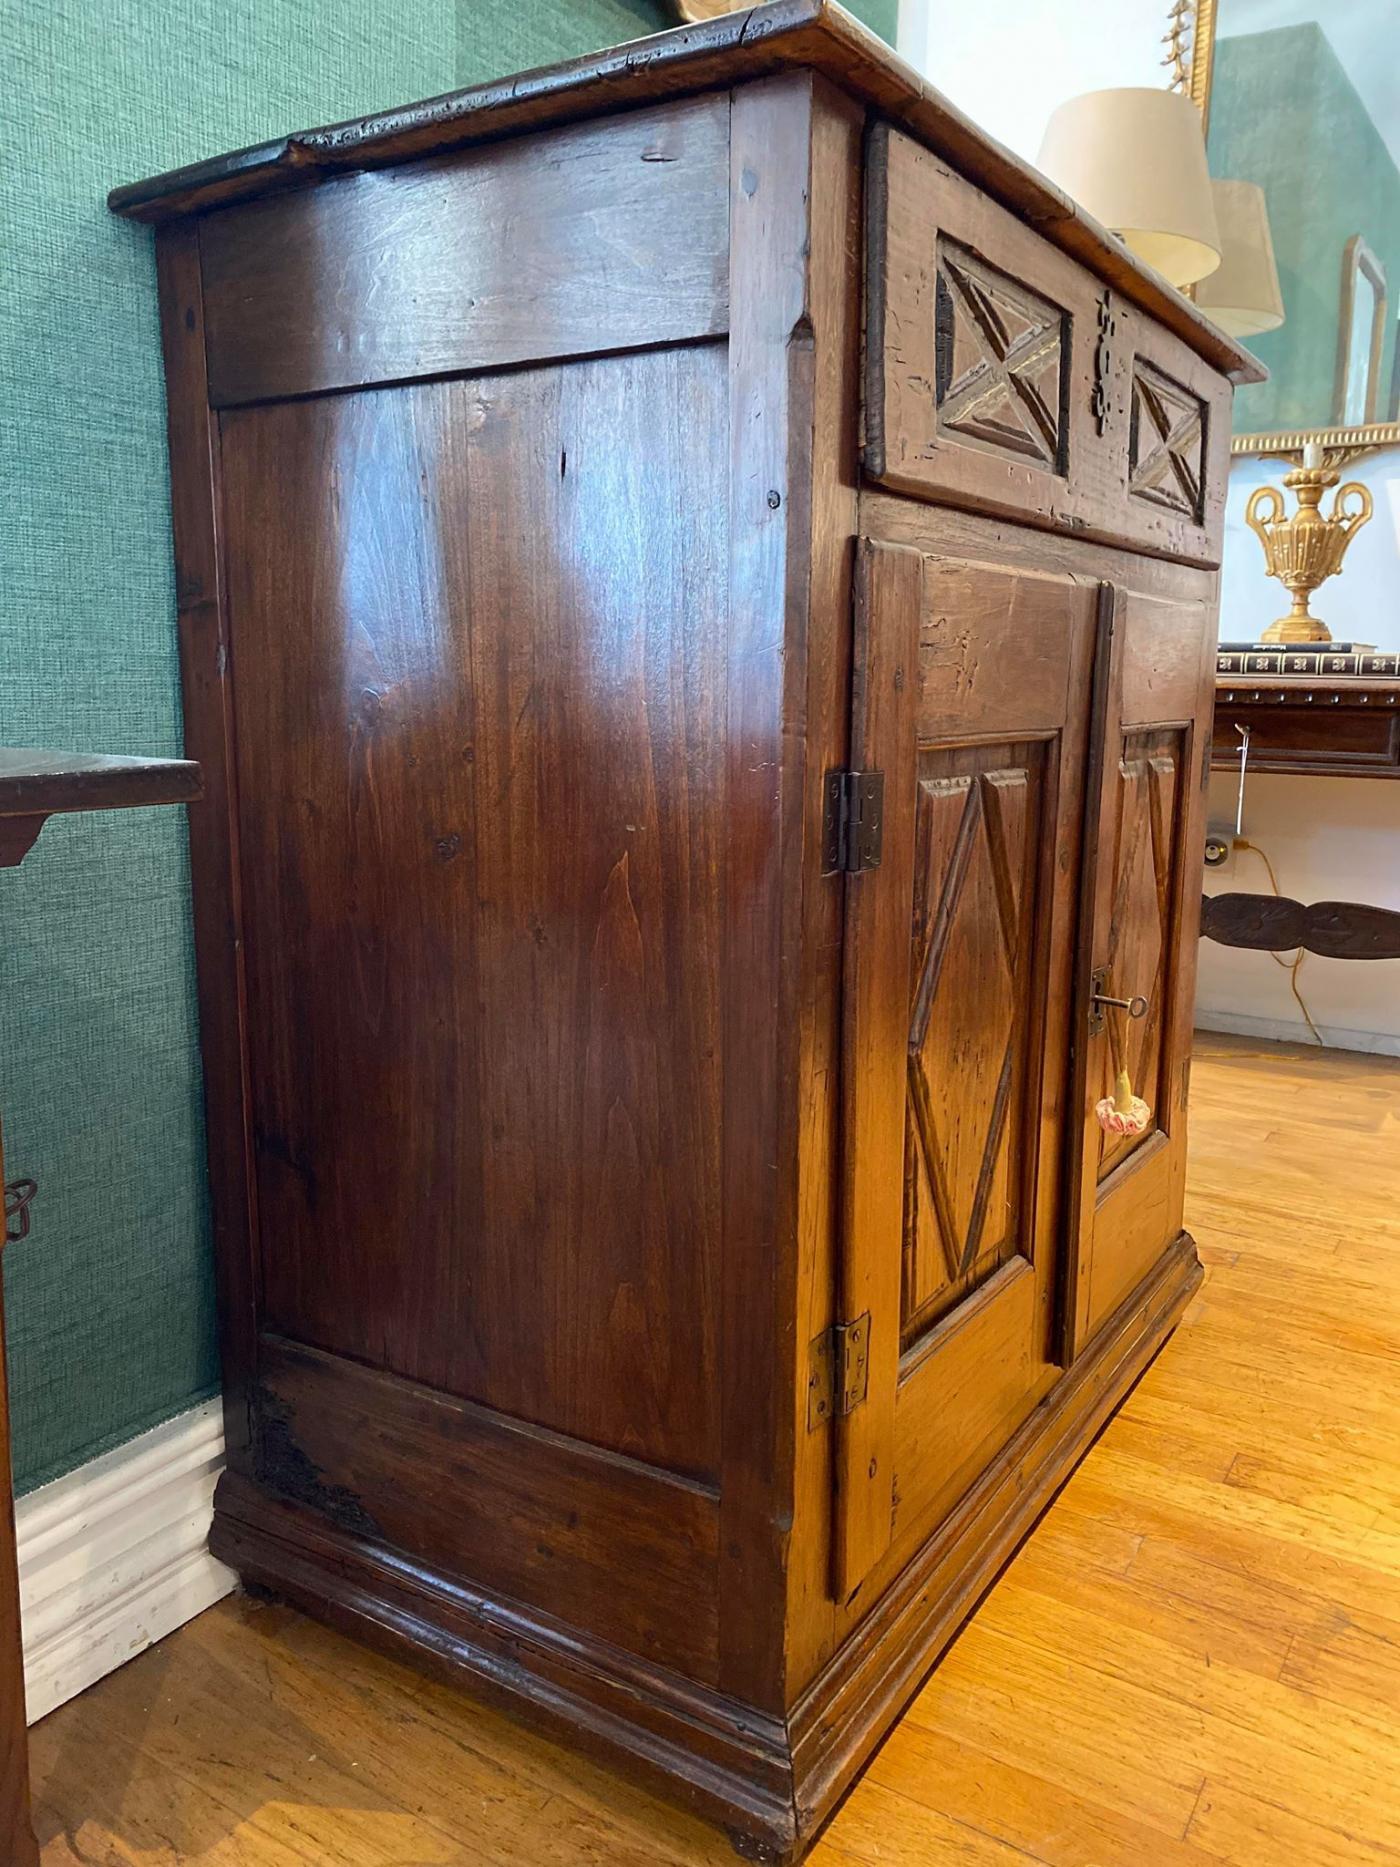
(1139,927)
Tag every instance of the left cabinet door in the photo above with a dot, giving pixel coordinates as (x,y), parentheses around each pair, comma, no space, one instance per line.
(971,695)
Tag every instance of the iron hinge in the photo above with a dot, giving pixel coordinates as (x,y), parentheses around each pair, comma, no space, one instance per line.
(839,1375)
(853,821)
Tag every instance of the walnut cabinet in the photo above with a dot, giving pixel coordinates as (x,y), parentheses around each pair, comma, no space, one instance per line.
(697,582)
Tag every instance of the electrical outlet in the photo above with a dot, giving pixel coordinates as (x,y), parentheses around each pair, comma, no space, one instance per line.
(1220,848)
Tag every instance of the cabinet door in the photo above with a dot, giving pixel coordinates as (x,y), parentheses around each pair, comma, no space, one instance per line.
(1141,912)
(972,686)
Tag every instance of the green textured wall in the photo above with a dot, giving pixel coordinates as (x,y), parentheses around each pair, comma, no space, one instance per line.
(110,1300)
(1285,114)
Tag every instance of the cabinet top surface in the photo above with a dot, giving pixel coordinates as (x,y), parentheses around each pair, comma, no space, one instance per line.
(815,35)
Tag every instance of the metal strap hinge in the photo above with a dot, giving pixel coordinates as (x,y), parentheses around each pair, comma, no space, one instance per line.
(839,1375)
(853,821)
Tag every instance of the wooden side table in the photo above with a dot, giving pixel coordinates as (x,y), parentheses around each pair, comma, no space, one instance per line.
(1342,727)
(33,787)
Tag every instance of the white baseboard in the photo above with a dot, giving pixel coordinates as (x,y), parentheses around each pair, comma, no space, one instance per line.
(1290,1031)
(115,1555)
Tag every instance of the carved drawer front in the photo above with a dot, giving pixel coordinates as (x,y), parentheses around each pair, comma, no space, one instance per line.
(1002,376)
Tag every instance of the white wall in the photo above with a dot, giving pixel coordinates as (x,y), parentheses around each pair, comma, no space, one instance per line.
(1009,65)
(1328,838)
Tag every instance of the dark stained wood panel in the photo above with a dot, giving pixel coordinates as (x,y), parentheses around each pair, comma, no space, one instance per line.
(480,652)
(206,691)
(1344,727)
(1277,924)
(593,1538)
(549,247)
(815,911)
(35,782)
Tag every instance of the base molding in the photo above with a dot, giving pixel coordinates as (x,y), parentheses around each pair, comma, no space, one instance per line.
(874,1674)
(115,1556)
(1294,1031)
(770,1782)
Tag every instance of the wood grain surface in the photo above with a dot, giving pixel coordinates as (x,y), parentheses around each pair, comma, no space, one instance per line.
(522,663)
(1277,924)
(44,782)
(1344,727)
(990,383)
(553,246)
(509,883)
(1195,1660)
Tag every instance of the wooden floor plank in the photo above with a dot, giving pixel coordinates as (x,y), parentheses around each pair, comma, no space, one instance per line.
(1241,1827)
(1050,1821)
(1195,1661)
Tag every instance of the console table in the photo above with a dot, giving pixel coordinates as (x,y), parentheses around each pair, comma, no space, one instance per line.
(1342,727)
(35,786)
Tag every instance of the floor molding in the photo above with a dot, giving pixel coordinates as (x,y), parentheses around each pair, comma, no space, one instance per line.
(1289,1031)
(115,1556)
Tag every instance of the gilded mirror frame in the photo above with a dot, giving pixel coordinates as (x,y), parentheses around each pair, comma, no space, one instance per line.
(1350,441)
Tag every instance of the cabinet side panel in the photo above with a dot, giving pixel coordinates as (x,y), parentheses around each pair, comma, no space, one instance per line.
(207,692)
(611,1547)
(597,236)
(478,633)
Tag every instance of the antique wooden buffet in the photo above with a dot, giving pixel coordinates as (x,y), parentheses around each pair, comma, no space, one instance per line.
(697,583)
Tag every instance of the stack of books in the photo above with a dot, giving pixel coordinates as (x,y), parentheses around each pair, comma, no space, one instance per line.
(1312,660)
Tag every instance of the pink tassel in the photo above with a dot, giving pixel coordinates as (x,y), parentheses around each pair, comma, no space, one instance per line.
(1122,1112)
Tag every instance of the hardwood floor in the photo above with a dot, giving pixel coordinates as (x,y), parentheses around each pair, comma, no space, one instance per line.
(1195,1659)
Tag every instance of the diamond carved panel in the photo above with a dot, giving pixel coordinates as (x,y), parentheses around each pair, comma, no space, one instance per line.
(1001,355)
(1139,933)
(967,1028)
(1166,443)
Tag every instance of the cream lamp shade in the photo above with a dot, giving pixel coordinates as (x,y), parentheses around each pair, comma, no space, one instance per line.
(1136,159)
(1242,294)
